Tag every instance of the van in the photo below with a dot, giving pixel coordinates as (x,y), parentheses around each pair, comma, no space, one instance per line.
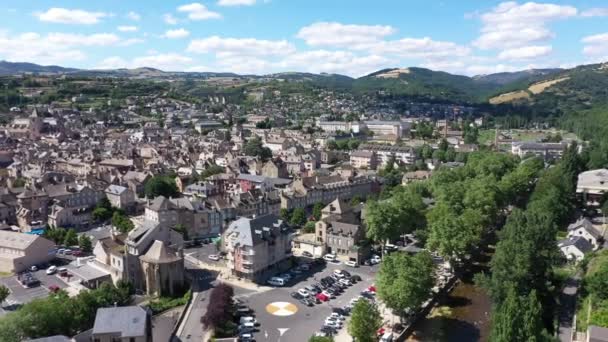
(329,257)
(275,281)
(387,337)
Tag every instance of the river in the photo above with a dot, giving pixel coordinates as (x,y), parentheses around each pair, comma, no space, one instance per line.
(461,316)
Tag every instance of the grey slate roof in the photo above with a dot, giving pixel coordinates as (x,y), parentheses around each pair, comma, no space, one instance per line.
(128,321)
(587,225)
(250,232)
(579,242)
(116,189)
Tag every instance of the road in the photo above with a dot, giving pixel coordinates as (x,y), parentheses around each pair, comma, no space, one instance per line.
(567,308)
(202,283)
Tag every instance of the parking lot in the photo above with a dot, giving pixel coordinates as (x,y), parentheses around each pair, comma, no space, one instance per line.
(283,318)
(21,295)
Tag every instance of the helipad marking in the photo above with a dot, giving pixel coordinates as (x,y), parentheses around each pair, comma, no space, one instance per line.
(281,309)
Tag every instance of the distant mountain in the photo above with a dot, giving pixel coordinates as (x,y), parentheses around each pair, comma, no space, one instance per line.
(12,68)
(504,78)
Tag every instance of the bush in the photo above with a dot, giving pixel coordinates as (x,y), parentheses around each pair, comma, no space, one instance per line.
(165,303)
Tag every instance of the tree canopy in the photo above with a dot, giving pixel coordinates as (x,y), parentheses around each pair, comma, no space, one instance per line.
(161,186)
(364,322)
(404,282)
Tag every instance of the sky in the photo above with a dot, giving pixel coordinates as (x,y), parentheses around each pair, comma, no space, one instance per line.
(351,37)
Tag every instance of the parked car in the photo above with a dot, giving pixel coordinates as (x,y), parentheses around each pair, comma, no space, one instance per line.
(310,289)
(303,293)
(351,263)
(323,296)
(345,273)
(307,254)
(246,337)
(375,260)
(34,268)
(328,294)
(346,282)
(337,316)
(247,327)
(51,270)
(307,302)
(214,257)
(276,281)
(247,319)
(329,257)
(296,295)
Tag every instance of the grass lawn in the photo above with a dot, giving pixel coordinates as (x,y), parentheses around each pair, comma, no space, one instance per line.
(582,312)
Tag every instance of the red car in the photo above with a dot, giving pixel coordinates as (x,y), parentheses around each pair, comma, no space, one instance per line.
(322,297)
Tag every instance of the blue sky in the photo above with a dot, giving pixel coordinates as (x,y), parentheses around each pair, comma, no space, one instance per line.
(352,37)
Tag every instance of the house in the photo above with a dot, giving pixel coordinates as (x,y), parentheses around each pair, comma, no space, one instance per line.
(122,324)
(575,248)
(585,229)
(341,231)
(120,197)
(364,160)
(592,186)
(163,269)
(110,255)
(258,247)
(386,153)
(547,151)
(19,251)
(275,168)
(413,176)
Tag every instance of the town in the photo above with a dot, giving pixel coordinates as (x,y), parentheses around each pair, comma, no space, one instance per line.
(319,171)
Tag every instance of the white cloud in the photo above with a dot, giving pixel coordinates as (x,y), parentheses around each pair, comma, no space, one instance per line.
(595,12)
(340,35)
(596,46)
(511,25)
(169,19)
(114,62)
(512,38)
(167,62)
(176,34)
(32,47)
(343,62)
(421,48)
(127,28)
(70,16)
(133,16)
(230,47)
(131,41)
(236,2)
(198,11)
(73,39)
(525,52)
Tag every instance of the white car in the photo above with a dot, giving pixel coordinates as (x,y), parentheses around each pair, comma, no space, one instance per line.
(375,259)
(351,263)
(327,294)
(303,293)
(214,257)
(337,316)
(51,270)
(346,282)
(339,274)
(329,257)
(333,322)
(247,319)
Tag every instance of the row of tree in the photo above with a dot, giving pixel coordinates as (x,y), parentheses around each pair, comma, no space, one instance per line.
(522,284)
(220,315)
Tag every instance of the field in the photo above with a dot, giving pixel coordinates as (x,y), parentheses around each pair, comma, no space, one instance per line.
(508,97)
(540,87)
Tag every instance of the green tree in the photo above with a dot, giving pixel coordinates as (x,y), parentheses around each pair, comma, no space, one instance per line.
(101,214)
(519,319)
(404,282)
(122,222)
(316,210)
(19,183)
(4,292)
(84,243)
(180,228)
(161,186)
(365,321)
(309,227)
(210,171)
(298,217)
(285,214)
(71,238)
(255,148)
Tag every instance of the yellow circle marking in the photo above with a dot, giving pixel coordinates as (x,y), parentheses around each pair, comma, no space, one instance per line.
(281,308)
